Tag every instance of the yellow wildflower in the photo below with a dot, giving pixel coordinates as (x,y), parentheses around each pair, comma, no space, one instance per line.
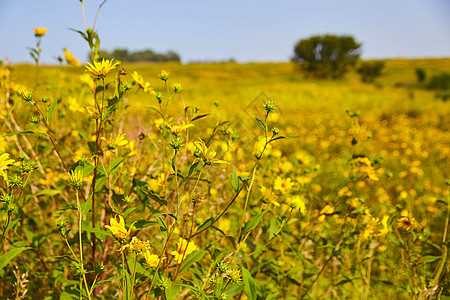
(70,59)
(101,69)
(208,155)
(118,141)
(76,178)
(26,94)
(366,167)
(235,275)
(327,210)
(370,228)
(268,196)
(406,221)
(178,128)
(163,75)
(118,228)
(177,88)
(157,184)
(73,105)
(283,184)
(297,203)
(145,86)
(183,250)
(136,245)
(4,162)
(385,230)
(40,31)
(151,260)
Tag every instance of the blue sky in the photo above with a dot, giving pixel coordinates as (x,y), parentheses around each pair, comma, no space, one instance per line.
(246,30)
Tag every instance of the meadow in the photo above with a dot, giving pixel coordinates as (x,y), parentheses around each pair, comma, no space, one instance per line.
(222,181)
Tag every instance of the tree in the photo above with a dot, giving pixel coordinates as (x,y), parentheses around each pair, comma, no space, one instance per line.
(369,70)
(421,75)
(327,56)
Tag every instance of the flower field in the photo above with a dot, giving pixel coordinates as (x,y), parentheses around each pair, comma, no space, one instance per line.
(221,181)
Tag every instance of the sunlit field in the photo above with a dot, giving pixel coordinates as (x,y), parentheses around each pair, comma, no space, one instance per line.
(222,181)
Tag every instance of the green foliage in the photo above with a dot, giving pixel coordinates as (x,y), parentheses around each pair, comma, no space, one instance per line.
(421,75)
(439,82)
(327,56)
(139,56)
(369,70)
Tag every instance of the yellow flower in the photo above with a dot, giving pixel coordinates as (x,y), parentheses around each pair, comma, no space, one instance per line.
(327,210)
(370,228)
(184,249)
(73,105)
(26,94)
(178,128)
(366,167)
(4,162)
(145,86)
(101,69)
(41,31)
(118,228)
(151,260)
(406,221)
(157,184)
(136,245)
(268,196)
(70,59)
(163,75)
(118,141)
(385,230)
(208,154)
(76,178)
(283,185)
(235,275)
(177,88)
(297,203)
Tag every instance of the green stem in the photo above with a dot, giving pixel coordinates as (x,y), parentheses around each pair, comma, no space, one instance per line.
(81,247)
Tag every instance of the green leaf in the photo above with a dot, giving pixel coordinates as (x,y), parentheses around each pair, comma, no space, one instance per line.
(100,181)
(174,160)
(252,223)
(429,258)
(155,110)
(193,168)
(48,193)
(205,224)
(10,255)
(172,291)
(86,206)
(261,123)
(51,109)
(98,283)
(162,226)
(24,131)
(249,284)
(234,180)
(192,259)
(99,232)
(112,168)
(284,137)
(199,117)
(228,237)
(139,224)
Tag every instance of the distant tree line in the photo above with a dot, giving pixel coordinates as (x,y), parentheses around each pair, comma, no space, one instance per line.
(139,56)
